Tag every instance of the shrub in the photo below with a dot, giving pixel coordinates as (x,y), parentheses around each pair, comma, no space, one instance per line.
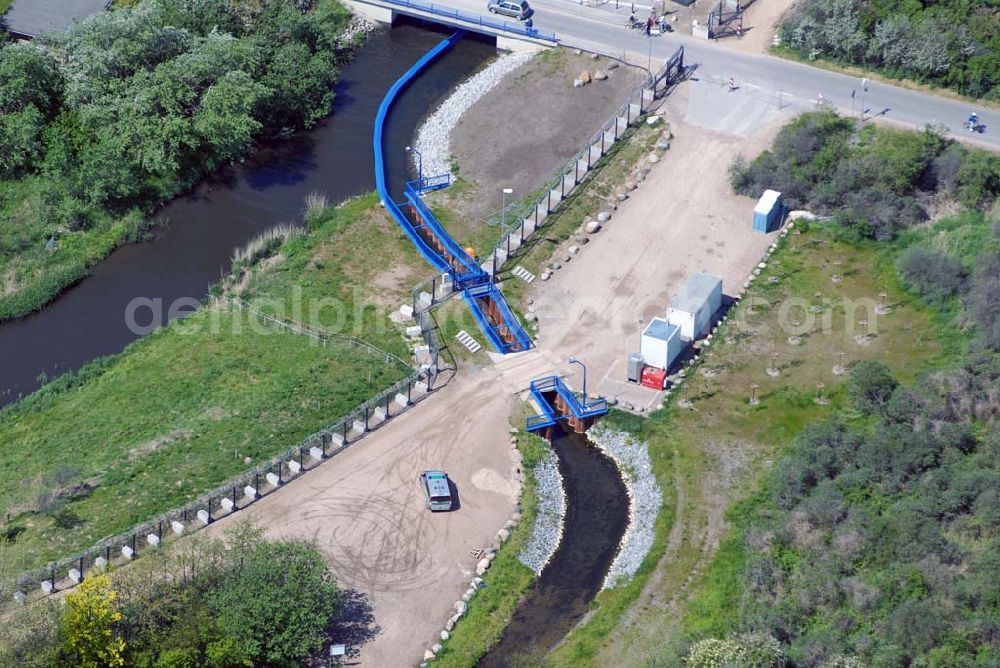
(871,385)
(931,274)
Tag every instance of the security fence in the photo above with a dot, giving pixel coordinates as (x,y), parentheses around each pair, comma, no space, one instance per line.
(263,479)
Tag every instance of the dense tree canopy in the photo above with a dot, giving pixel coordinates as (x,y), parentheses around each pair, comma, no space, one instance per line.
(955,43)
(875,182)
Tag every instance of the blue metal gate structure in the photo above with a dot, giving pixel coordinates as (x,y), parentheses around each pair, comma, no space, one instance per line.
(565,406)
(432,240)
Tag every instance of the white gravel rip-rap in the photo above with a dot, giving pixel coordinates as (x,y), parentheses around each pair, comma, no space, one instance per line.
(546,532)
(645,499)
(434,137)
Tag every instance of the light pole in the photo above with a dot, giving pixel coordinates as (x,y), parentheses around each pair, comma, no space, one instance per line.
(864,89)
(649,59)
(503,206)
(573,360)
(420,162)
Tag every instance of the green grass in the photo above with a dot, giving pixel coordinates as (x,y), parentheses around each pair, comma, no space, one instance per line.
(688,444)
(176,413)
(30,275)
(506,580)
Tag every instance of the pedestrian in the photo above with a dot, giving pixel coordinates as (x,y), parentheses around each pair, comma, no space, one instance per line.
(649,25)
(663,24)
(732,84)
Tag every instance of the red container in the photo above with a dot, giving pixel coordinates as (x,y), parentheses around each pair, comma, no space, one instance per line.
(653,377)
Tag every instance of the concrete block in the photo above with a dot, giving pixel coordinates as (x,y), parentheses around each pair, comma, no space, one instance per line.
(100,563)
(380,414)
(294,466)
(127,552)
(177,527)
(203,516)
(420,386)
(406,311)
(250,492)
(401,400)
(337,440)
(413,330)
(358,426)
(316,452)
(227,505)
(425,299)
(47,586)
(272,479)
(153,540)
(75,575)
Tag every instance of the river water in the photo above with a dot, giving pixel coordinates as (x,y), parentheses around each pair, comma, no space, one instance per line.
(193,249)
(596,518)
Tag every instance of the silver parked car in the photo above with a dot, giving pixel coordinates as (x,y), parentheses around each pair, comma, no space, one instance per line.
(437,490)
(518,9)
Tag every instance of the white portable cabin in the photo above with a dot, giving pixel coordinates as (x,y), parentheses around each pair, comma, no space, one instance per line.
(660,343)
(693,307)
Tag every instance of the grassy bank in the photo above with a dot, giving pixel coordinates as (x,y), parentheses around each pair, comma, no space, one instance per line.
(506,580)
(129,109)
(710,445)
(180,411)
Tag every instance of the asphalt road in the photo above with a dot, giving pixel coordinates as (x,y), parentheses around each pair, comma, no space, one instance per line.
(780,81)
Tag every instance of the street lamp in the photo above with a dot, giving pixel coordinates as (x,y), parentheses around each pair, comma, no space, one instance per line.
(420,162)
(503,205)
(573,360)
(864,89)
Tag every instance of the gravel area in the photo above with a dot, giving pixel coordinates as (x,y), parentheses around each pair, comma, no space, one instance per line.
(645,498)
(434,137)
(548,527)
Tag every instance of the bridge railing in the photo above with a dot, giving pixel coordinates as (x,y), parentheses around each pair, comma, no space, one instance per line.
(466,17)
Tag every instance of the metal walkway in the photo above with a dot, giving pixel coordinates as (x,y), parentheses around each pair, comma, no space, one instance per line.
(556,401)
(432,240)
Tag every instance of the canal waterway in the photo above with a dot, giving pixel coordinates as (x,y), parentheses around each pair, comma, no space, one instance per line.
(193,248)
(596,518)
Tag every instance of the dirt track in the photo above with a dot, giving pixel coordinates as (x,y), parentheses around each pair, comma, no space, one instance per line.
(365,509)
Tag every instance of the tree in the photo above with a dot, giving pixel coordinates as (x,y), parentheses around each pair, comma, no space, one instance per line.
(871,385)
(88,625)
(225,121)
(277,603)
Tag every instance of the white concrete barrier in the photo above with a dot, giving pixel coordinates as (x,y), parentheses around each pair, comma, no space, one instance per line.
(177,527)
(420,386)
(227,505)
(406,311)
(47,586)
(294,466)
(380,414)
(316,452)
(203,516)
(337,440)
(401,400)
(153,539)
(75,575)
(359,426)
(272,479)
(250,492)
(413,330)
(100,563)
(127,551)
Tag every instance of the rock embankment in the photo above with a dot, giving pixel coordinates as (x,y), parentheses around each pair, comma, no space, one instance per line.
(547,530)
(434,137)
(645,499)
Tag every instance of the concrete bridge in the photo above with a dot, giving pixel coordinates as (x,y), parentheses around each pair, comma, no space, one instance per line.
(511,35)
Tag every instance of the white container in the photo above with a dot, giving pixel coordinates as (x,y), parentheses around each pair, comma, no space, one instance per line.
(660,344)
(694,306)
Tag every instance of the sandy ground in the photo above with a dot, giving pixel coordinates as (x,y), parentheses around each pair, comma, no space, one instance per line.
(503,140)
(406,566)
